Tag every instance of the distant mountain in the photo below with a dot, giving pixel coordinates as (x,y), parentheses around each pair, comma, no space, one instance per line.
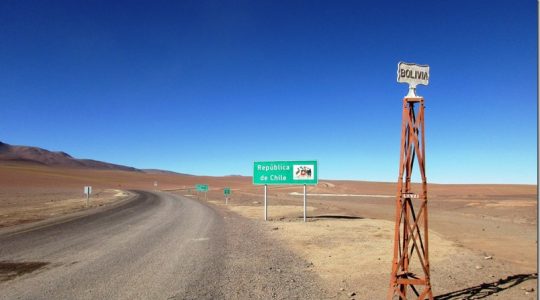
(158,171)
(11,153)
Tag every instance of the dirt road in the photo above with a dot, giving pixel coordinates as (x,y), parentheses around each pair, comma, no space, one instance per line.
(156,246)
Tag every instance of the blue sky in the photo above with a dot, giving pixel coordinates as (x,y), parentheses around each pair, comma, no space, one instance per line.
(207,87)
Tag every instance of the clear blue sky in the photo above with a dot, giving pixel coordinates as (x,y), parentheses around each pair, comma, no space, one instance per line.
(207,87)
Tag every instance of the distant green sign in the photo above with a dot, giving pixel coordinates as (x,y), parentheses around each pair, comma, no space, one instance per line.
(285,172)
(202,187)
(226,191)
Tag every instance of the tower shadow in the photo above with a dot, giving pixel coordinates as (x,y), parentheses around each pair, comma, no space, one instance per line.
(486,289)
(334,217)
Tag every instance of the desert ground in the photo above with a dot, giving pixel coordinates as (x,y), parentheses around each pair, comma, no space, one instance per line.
(483,238)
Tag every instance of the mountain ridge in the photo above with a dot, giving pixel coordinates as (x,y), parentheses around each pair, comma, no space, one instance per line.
(31,154)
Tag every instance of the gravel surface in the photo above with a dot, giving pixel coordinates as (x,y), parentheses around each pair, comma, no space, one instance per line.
(157,246)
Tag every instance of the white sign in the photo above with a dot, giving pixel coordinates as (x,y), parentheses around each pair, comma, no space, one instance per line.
(88,190)
(410,195)
(413,74)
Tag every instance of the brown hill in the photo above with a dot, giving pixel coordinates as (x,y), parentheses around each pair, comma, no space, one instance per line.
(35,155)
(159,171)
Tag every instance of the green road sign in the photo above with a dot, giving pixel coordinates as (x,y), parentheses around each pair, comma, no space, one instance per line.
(285,172)
(202,187)
(226,191)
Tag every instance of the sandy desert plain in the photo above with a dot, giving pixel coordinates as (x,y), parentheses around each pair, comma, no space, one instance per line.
(483,239)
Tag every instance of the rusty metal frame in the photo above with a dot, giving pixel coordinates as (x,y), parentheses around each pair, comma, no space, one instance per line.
(411,228)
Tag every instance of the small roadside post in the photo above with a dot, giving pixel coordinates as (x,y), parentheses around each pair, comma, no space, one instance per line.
(87,192)
(227,193)
(155,185)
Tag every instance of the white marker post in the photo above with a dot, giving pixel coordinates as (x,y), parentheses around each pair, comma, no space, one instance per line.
(305,203)
(265,207)
(226,193)
(87,191)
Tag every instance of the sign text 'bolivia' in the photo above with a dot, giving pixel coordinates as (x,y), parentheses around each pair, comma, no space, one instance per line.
(413,74)
(285,172)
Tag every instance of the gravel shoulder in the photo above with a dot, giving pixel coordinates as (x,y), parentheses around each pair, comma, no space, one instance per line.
(351,255)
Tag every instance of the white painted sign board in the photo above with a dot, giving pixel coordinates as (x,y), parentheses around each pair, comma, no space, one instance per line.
(87,190)
(412,74)
(410,195)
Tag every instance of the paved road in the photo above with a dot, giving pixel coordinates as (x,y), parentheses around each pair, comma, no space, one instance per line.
(157,246)
(152,247)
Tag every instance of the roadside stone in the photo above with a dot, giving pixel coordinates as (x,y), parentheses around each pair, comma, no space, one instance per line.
(478,267)
(352,294)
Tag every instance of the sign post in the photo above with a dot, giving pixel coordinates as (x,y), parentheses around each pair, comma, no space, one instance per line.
(227,193)
(411,225)
(285,173)
(202,188)
(305,202)
(265,203)
(87,192)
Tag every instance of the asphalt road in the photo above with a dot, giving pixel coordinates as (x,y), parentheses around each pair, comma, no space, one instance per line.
(156,246)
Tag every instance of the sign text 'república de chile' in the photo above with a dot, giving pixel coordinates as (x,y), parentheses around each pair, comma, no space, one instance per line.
(285,172)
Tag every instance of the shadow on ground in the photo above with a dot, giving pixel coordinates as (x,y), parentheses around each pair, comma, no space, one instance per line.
(10,270)
(333,217)
(487,289)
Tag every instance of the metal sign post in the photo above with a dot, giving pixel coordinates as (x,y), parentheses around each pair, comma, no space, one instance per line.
(411,251)
(226,193)
(305,203)
(265,204)
(202,188)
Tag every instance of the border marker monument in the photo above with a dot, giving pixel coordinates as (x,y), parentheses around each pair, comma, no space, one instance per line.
(411,251)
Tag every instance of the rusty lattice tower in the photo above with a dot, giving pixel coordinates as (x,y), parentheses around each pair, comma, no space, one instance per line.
(410,277)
